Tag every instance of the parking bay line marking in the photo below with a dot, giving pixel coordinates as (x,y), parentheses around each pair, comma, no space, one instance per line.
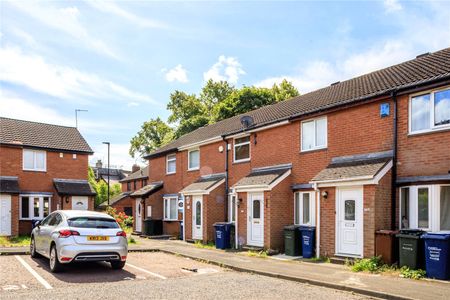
(34,273)
(145,271)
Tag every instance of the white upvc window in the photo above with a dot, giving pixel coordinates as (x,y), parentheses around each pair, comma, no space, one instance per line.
(429,111)
(34,206)
(232,198)
(425,207)
(304,208)
(193,159)
(170,208)
(171,164)
(241,149)
(34,160)
(314,134)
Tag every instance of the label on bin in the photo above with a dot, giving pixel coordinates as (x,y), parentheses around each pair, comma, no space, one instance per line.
(306,240)
(434,253)
(407,247)
(219,234)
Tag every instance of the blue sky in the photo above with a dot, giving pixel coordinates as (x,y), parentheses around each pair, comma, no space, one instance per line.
(121,60)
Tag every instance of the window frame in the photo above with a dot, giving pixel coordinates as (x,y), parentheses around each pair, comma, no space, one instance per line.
(231,207)
(34,169)
(168,159)
(242,144)
(432,127)
(315,147)
(169,199)
(31,206)
(189,159)
(312,206)
(434,218)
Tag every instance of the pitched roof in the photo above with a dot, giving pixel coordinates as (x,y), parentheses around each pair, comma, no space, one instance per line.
(421,70)
(9,184)
(148,189)
(263,176)
(354,167)
(73,187)
(40,135)
(142,173)
(115,174)
(204,183)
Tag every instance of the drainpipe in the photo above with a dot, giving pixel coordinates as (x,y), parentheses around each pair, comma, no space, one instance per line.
(394,162)
(316,190)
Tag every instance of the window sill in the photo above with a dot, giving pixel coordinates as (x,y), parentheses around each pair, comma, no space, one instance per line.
(428,131)
(314,150)
(192,170)
(173,173)
(242,161)
(36,171)
(171,220)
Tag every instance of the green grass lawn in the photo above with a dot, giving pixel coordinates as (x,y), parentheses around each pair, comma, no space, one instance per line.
(16,241)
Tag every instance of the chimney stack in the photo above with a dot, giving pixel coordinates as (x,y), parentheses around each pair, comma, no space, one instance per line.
(98,164)
(135,168)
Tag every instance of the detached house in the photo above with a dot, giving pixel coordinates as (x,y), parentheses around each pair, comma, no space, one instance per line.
(43,167)
(360,155)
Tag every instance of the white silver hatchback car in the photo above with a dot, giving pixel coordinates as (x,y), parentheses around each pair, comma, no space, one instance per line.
(67,236)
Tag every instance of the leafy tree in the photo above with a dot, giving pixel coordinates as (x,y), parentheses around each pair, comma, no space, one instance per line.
(153,134)
(101,188)
(215,92)
(285,90)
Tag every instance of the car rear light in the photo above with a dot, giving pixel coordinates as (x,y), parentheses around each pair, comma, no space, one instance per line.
(66,258)
(66,233)
(123,258)
(122,233)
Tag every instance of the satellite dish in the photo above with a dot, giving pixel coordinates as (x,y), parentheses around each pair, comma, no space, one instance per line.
(247,121)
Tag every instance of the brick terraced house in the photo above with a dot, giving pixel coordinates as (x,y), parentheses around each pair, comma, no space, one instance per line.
(43,167)
(360,155)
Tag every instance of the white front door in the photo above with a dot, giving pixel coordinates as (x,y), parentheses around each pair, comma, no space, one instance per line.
(138,219)
(80,202)
(255,217)
(5,215)
(349,221)
(197,218)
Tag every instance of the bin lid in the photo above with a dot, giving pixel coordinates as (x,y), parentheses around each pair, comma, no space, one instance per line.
(437,235)
(307,228)
(412,231)
(221,223)
(387,232)
(291,227)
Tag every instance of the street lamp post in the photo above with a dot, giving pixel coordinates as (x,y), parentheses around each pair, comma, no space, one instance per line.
(76,116)
(107,143)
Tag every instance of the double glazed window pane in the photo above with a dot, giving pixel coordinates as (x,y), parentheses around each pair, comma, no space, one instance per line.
(28,160)
(350,209)
(40,160)
(46,206)
(256,209)
(420,112)
(25,207)
(321,132)
(36,207)
(302,214)
(171,164)
(308,135)
(404,208)
(422,201)
(445,208)
(173,208)
(305,206)
(442,108)
(198,213)
(242,148)
(194,159)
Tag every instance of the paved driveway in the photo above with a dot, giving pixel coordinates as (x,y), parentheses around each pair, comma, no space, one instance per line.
(147,275)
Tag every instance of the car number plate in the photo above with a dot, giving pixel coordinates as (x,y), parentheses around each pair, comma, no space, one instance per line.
(98,238)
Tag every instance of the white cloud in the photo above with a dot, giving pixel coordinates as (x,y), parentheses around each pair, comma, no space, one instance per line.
(119,156)
(114,9)
(392,6)
(178,73)
(25,37)
(226,69)
(131,104)
(65,20)
(64,82)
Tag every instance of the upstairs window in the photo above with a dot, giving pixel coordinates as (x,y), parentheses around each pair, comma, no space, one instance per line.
(314,134)
(171,166)
(429,111)
(34,160)
(128,186)
(193,159)
(242,149)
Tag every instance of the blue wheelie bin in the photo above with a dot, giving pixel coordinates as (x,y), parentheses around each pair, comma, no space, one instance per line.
(223,230)
(308,234)
(437,256)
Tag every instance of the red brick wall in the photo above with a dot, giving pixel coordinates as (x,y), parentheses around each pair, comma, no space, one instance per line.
(15,215)
(420,154)
(327,222)
(214,211)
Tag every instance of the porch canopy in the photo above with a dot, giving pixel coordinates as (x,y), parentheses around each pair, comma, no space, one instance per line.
(9,184)
(147,190)
(355,170)
(114,200)
(73,187)
(204,185)
(263,179)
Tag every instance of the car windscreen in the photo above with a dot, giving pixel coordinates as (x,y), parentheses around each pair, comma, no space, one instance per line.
(92,222)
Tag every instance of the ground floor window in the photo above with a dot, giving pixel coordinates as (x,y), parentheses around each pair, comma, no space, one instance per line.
(34,206)
(128,210)
(171,209)
(425,207)
(304,208)
(232,208)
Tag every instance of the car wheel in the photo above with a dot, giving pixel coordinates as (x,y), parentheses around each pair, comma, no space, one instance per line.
(117,265)
(55,265)
(33,252)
